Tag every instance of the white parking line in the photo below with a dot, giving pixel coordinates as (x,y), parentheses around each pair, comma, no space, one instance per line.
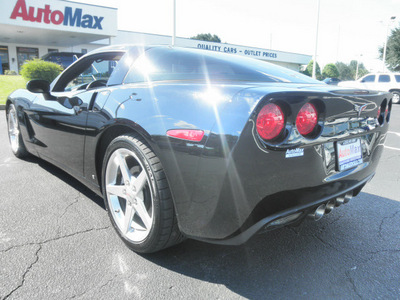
(392,148)
(393,132)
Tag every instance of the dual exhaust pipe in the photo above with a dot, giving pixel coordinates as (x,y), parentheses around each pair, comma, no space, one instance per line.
(325,209)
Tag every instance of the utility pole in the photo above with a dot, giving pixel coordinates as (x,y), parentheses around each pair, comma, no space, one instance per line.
(358,62)
(316,44)
(173,22)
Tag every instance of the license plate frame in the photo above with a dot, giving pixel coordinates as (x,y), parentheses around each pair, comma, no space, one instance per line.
(349,154)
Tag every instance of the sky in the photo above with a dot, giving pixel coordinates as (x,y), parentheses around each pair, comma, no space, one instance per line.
(348,29)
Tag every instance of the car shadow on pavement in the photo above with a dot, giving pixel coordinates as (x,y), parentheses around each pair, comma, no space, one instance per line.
(354,252)
(339,256)
(64,176)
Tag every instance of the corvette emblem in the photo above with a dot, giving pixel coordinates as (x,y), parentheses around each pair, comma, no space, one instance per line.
(360,108)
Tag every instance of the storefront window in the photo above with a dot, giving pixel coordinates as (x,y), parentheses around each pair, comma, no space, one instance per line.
(5,64)
(24,54)
(52,50)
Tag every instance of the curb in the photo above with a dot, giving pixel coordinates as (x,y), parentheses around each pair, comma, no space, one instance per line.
(2,107)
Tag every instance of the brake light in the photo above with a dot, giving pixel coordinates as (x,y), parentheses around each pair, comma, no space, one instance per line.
(270,121)
(307,119)
(193,135)
(379,113)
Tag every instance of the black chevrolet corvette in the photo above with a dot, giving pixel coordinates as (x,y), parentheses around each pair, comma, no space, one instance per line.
(191,143)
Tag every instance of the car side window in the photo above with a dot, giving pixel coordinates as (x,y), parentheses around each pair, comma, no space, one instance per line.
(90,72)
(384,78)
(99,70)
(369,78)
(172,64)
(397,77)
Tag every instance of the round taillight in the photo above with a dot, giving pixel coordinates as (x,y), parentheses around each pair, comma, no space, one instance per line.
(270,121)
(379,113)
(307,119)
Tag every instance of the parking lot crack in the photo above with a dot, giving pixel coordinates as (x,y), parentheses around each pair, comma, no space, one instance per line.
(352,283)
(59,219)
(98,288)
(384,251)
(75,234)
(69,205)
(40,243)
(331,246)
(21,284)
(383,221)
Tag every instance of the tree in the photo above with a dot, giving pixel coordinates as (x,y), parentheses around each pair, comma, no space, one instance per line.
(330,71)
(361,69)
(348,71)
(344,71)
(207,37)
(308,70)
(392,60)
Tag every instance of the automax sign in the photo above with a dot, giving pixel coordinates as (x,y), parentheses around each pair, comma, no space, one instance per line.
(61,15)
(70,17)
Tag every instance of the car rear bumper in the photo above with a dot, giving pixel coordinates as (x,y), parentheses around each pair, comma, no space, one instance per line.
(242,183)
(289,216)
(236,196)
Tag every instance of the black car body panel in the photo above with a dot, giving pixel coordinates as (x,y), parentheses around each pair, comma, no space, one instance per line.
(232,183)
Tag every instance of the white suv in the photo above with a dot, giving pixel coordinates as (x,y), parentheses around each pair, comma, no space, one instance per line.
(389,82)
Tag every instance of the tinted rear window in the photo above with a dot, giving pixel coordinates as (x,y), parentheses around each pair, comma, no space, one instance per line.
(384,78)
(369,78)
(161,63)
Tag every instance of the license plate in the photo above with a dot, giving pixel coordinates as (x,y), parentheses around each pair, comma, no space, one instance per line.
(349,154)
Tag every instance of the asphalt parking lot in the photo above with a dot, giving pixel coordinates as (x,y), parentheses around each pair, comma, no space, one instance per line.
(56,242)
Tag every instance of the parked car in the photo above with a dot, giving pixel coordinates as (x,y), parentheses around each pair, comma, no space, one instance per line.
(389,82)
(197,144)
(65,59)
(332,81)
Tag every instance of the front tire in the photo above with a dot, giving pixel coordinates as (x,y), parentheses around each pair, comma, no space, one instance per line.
(137,196)
(396,97)
(14,134)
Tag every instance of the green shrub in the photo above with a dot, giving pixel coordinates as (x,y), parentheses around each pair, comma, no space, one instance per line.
(10,72)
(330,71)
(40,69)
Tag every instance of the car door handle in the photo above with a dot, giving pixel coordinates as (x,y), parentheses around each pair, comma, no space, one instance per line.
(78,109)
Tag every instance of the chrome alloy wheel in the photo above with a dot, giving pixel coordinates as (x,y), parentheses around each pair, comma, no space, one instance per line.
(13,131)
(396,98)
(129,195)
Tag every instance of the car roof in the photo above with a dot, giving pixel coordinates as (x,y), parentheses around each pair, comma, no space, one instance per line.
(117,48)
(62,54)
(387,73)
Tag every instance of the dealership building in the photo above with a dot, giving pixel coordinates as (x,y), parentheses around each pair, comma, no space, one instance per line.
(32,28)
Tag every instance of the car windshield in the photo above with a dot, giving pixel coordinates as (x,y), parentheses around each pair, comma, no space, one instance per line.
(162,63)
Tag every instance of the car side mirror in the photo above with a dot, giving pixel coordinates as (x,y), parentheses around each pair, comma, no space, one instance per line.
(38,86)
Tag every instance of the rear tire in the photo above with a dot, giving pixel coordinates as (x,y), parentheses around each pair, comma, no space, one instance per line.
(14,134)
(137,196)
(396,97)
